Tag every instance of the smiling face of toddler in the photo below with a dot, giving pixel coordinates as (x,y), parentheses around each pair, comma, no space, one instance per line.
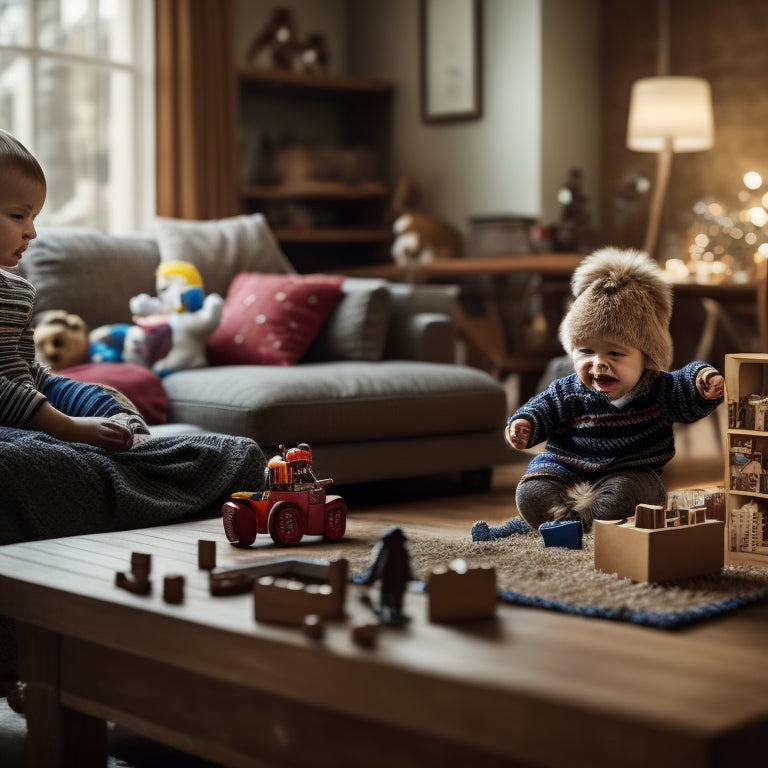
(613,369)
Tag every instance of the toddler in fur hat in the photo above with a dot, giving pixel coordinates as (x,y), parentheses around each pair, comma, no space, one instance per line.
(608,426)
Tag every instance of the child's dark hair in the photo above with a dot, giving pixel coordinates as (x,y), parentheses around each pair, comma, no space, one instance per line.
(14,156)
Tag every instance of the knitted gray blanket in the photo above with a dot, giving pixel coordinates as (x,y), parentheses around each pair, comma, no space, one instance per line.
(50,488)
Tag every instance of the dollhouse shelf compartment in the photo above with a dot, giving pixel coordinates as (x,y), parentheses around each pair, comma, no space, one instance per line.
(746,459)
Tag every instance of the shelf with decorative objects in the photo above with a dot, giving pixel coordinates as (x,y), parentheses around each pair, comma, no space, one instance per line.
(315,159)
(746,459)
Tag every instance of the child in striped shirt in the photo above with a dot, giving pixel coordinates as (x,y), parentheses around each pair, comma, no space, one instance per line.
(30,396)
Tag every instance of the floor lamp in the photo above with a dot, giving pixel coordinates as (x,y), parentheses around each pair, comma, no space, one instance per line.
(666,115)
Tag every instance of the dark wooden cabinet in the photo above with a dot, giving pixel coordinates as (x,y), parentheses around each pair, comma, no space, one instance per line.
(315,159)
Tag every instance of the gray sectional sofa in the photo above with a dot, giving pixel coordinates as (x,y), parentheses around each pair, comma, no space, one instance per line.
(377,395)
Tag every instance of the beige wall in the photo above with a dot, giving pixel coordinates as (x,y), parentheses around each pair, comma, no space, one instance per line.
(540,111)
(724,42)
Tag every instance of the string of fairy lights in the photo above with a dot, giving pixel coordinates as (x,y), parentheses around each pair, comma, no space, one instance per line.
(727,244)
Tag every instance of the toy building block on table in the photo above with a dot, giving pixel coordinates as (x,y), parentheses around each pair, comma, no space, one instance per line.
(458,593)
(650,547)
(288,599)
(562,533)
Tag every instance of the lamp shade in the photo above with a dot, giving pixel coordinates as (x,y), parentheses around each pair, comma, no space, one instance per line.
(674,111)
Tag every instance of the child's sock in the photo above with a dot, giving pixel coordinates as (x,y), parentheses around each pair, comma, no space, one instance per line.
(481,531)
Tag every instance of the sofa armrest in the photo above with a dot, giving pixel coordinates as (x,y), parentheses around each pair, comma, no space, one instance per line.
(422,325)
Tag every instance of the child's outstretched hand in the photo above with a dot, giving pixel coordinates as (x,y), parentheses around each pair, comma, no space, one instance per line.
(711,384)
(517,433)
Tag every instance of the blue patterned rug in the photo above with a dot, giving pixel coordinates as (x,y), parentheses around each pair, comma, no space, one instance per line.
(565,580)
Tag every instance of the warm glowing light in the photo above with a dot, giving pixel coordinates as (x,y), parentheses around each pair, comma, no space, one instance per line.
(715,209)
(753,180)
(758,216)
(701,240)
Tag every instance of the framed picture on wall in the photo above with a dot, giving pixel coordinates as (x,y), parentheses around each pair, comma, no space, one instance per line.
(451,57)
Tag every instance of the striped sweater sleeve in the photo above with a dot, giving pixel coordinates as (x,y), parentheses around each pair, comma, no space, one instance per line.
(20,374)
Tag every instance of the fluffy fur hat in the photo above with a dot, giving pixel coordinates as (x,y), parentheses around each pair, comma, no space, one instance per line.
(621,296)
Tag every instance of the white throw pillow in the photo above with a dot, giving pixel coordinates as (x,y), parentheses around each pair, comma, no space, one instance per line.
(221,248)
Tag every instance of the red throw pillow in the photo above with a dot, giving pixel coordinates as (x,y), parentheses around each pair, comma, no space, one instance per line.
(141,386)
(270,319)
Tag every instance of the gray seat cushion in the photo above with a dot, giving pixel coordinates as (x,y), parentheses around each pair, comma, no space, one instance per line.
(339,401)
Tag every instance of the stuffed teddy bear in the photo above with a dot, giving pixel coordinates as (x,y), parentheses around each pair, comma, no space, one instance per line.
(171,328)
(61,340)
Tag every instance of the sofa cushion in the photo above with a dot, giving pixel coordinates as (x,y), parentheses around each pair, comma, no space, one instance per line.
(272,319)
(89,273)
(357,327)
(140,385)
(339,401)
(221,248)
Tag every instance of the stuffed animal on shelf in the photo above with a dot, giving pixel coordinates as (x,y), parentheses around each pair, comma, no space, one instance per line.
(61,340)
(171,327)
(419,237)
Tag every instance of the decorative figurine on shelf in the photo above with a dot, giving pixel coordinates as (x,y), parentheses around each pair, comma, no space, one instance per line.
(276,43)
(179,307)
(392,568)
(573,232)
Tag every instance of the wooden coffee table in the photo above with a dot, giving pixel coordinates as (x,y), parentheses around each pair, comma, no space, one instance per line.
(530,687)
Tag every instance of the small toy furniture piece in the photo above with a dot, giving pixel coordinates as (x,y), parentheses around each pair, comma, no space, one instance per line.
(458,593)
(658,554)
(562,533)
(294,505)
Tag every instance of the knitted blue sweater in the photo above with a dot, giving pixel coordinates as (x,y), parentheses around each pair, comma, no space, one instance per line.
(588,436)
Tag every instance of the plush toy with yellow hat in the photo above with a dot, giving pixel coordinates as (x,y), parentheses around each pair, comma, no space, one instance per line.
(180,313)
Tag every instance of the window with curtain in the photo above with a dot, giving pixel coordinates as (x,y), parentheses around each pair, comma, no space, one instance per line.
(77,87)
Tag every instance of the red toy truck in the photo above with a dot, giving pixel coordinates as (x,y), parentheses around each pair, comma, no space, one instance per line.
(295,504)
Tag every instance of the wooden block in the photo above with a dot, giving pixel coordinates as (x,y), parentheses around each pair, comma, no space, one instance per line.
(313,626)
(173,589)
(228,583)
(697,515)
(206,554)
(141,565)
(562,533)
(458,592)
(660,554)
(132,584)
(365,634)
(650,516)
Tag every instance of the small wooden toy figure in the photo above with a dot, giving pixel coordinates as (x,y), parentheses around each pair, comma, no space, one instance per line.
(391,566)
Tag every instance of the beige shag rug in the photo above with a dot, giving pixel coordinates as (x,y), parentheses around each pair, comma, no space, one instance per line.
(528,573)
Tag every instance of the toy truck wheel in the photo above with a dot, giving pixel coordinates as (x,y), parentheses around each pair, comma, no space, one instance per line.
(335,519)
(239,523)
(284,523)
